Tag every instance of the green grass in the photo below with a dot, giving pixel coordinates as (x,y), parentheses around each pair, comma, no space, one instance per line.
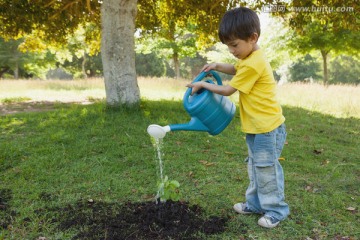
(56,158)
(14,100)
(337,100)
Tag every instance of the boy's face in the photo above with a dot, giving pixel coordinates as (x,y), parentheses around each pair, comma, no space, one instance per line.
(241,48)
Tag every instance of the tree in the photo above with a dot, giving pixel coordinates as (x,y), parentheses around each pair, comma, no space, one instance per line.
(15,60)
(182,27)
(326,26)
(10,57)
(117,51)
(182,45)
(150,65)
(345,69)
(304,69)
(317,36)
(56,19)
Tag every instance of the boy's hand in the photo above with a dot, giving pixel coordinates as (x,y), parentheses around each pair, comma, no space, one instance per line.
(195,87)
(208,67)
(220,67)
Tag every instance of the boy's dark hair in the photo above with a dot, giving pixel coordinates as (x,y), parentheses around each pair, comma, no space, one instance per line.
(239,23)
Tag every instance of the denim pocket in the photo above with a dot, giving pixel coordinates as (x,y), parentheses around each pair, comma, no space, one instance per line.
(266,177)
(280,139)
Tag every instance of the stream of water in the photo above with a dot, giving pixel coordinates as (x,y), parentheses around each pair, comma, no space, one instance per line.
(158,143)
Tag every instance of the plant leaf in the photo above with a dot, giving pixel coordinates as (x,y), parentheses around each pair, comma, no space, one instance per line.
(175,183)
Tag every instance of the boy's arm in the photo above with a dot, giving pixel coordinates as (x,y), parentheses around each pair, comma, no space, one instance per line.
(221,67)
(225,90)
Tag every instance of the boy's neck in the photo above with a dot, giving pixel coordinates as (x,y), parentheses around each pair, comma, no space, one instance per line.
(256,47)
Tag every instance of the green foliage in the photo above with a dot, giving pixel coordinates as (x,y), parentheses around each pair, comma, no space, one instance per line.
(320,26)
(181,45)
(317,36)
(169,190)
(163,18)
(34,57)
(337,14)
(80,55)
(191,66)
(54,19)
(62,30)
(23,64)
(181,27)
(149,65)
(93,65)
(305,68)
(345,69)
(10,57)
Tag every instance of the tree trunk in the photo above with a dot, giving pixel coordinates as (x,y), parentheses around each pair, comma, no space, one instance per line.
(16,67)
(176,65)
(83,65)
(325,68)
(118,53)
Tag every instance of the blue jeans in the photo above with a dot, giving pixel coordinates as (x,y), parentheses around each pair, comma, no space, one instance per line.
(265,194)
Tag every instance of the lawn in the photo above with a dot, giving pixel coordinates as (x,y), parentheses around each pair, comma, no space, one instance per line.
(58,164)
(335,100)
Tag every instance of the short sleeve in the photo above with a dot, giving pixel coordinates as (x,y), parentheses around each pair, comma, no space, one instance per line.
(244,79)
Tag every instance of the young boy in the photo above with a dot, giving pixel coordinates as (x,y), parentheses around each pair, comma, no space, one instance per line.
(260,114)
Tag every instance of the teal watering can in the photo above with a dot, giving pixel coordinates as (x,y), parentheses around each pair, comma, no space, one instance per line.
(210,112)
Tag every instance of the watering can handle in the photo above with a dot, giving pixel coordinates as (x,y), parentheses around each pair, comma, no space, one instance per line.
(199,78)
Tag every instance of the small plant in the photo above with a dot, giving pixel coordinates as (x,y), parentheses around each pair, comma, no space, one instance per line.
(168,190)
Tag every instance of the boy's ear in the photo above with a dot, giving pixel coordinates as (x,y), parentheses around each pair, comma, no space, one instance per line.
(254,38)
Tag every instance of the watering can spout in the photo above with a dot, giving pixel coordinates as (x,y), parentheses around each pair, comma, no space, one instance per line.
(194,125)
(158,132)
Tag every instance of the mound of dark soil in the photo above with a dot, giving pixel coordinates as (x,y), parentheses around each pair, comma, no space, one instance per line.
(146,220)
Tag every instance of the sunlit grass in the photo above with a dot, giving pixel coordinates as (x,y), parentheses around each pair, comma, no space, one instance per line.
(335,100)
(54,90)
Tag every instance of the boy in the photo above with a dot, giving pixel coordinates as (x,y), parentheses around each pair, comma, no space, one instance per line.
(260,114)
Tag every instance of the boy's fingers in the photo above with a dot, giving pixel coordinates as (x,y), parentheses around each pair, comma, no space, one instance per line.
(206,68)
(209,67)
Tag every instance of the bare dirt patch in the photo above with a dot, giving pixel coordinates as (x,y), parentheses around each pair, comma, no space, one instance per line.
(136,221)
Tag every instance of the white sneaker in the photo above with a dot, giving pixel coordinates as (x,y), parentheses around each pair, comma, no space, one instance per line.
(268,222)
(242,208)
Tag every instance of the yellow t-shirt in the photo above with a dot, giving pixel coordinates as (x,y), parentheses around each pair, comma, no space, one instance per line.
(260,112)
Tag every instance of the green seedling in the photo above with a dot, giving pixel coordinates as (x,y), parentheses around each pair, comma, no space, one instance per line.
(168,190)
